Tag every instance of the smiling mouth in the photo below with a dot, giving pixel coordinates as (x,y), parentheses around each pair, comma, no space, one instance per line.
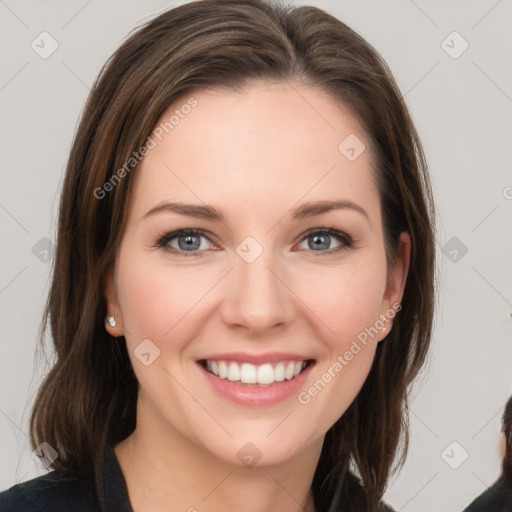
(266,374)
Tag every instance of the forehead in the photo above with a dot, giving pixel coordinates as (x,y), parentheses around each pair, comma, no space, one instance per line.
(268,142)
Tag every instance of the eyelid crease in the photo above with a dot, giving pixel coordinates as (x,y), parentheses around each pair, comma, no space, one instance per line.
(344,238)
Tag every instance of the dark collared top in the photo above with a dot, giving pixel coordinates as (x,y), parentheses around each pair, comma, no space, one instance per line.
(104,490)
(498,497)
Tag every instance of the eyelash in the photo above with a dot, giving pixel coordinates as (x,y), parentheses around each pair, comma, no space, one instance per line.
(341,237)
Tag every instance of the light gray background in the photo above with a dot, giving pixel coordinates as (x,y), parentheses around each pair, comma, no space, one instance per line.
(462,109)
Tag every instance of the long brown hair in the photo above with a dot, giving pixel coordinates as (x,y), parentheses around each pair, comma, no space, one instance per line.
(88,398)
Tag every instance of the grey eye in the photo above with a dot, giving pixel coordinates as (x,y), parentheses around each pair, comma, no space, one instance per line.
(319,241)
(189,242)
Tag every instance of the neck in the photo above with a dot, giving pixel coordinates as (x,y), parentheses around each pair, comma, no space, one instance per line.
(164,469)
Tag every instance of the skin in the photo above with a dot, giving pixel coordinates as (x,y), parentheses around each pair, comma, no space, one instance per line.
(254,155)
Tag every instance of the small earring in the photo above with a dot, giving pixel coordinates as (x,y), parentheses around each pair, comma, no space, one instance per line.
(111,320)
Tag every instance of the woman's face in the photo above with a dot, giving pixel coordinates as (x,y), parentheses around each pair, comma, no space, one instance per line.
(255,290)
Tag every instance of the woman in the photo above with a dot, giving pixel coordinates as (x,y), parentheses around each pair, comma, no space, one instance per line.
(244,277)
(498,496)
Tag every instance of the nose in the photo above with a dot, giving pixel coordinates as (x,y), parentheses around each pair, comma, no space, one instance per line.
(256,297)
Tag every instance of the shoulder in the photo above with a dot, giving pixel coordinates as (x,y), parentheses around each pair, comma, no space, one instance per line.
(497,498)
(53,492)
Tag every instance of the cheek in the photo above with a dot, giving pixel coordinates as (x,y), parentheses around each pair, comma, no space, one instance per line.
(357,294)
(157,301)
(160,304)
(346,299)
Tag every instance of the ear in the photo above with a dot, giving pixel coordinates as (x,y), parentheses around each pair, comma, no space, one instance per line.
(111,299)
(395,282)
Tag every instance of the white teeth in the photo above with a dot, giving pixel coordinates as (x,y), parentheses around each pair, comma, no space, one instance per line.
(233,372)
(266,374)
(223,370)
(251,374)
(279,372)
(248,373)
(288,373)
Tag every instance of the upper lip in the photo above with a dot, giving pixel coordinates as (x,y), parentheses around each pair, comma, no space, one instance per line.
(256,359)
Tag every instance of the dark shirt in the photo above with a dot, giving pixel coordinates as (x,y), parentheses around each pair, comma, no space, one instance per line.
(498,498)
(104,490)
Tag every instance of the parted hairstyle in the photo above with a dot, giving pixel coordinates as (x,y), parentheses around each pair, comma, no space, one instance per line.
(88,398)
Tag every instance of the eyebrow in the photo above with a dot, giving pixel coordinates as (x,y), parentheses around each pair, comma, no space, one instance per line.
(210,213)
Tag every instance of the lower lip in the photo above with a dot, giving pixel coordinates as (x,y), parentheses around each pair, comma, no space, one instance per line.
(252,395)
